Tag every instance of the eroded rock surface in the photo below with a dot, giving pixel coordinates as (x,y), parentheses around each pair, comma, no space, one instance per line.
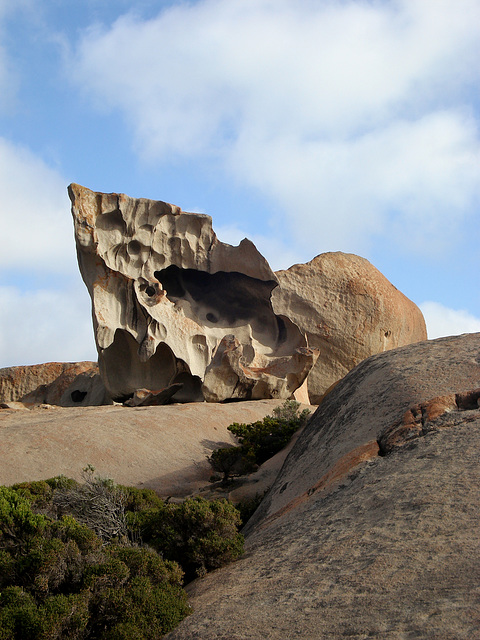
(348,310)
(350,543)
(174,305)
(422,418)
(67,384)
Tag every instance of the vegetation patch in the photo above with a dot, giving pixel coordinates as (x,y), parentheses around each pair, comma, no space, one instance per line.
(259,440)
(99,560)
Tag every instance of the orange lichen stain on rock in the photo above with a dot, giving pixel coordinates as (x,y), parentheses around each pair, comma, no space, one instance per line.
(438,406)
(256,371)
(105,280)
(332,478)
(419,419)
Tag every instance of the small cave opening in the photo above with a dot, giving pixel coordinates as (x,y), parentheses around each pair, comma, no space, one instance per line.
(78,396)
(150,291)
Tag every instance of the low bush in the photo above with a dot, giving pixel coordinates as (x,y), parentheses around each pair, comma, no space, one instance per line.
(135,594)
(140,499)
(59,580)
(199,534)
(259,440)
(248,506)
(40,492)
(232,461)
(98,502)
(72,575)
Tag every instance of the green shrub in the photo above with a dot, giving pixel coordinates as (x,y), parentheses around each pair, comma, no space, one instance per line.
(288,412)
(247,507)
(22,617)
(232,461)
(137,590)
(40,492)
(259,440)
(59,580)
(199,534)
(17,521)
(140,499)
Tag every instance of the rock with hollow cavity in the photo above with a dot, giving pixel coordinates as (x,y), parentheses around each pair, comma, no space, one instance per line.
(66,384)
(169,301)
(348,310)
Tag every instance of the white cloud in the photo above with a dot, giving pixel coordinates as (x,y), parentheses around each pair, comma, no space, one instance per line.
(414,182)
(37,229)
(277,253)
(442,321)
(37,241)
(352,117)
(45,326)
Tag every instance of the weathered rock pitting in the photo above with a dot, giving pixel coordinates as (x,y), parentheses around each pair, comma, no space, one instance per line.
(167,295)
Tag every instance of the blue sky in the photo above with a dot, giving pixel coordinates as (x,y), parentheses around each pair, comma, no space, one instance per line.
(307,126)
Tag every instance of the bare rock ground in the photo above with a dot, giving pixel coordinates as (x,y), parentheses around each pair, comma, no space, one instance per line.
(164,448)
(352,544)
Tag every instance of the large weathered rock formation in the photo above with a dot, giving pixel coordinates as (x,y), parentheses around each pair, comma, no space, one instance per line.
(174,305)
(348,310)
(371,528)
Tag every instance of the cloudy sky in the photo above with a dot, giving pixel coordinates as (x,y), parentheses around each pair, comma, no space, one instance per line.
(305,125)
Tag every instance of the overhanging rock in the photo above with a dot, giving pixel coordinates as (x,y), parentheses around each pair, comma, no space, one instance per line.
(174,305)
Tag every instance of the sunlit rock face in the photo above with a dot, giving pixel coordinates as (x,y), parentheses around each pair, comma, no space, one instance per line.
(174,305)
(348,310)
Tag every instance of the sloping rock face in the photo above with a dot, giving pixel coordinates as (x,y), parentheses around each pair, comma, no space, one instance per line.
(371,528)
(163,448)
(67,384)
(348,310)
(173,305)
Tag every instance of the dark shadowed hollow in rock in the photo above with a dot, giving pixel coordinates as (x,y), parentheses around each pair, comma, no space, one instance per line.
(172,305)
(225,299)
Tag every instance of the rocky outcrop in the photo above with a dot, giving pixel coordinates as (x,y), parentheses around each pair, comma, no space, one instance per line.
(174,305)
(373,400)
(67,384)
(370,529)
(348,310)
(422,418)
